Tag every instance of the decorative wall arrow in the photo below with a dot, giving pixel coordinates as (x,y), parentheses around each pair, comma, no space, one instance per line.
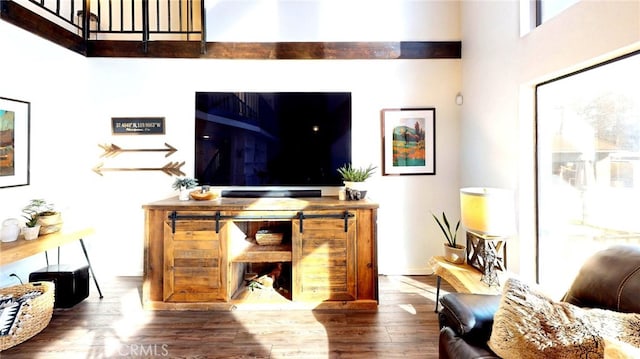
(171,168)
(111,150)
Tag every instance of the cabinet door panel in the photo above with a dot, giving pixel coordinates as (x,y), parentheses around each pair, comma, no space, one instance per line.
(324,260)
(193,263)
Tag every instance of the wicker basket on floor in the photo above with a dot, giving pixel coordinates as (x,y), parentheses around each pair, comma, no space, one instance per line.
(34,314)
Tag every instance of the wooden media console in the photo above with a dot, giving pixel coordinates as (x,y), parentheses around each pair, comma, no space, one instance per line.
(201,255)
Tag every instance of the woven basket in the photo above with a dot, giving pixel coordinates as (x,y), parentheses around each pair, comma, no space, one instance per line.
(34,315)
(50,223)
(268,238)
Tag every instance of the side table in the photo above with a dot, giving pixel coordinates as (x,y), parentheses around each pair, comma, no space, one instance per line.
(462,277)
(20,248)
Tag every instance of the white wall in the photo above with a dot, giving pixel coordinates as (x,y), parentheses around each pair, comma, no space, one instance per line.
(500,69)
(49,77)
(327,20)
(73,99)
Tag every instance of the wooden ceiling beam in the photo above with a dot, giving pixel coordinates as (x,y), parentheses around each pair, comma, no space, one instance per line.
(279,50)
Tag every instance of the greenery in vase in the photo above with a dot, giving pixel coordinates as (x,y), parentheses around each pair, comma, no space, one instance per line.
(356,174)
(186,182)
(31,220)
(448,234)
(35,209)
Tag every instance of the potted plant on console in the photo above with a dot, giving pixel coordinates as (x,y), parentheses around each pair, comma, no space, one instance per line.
(184,184)
(354,180)
(453,252)
(49,218)
(46,218)
(32,227)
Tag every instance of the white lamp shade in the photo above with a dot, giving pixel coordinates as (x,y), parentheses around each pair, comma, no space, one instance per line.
(487,211)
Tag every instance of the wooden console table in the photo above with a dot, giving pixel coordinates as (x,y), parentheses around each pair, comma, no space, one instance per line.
(20,249)
(462,277)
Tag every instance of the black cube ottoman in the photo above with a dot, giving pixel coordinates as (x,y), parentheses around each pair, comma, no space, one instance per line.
(71,283)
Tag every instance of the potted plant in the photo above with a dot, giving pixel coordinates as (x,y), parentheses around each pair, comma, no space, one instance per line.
(44,214)
(354,178)
(184,184)
(32,227)
(453,252)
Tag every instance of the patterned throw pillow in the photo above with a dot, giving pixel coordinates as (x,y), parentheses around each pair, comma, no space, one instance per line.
(529,325)
(10,308)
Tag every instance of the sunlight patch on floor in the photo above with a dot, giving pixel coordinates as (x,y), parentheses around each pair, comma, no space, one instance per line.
(272,328)
(406,284)
(136,316)
(408,308)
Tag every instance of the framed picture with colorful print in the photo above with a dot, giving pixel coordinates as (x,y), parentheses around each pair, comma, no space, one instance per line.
(14,142)
(409,141)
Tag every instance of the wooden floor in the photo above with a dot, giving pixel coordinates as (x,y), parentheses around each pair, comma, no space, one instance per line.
(116,326)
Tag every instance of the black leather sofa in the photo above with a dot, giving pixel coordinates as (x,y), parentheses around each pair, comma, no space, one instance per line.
(610,279)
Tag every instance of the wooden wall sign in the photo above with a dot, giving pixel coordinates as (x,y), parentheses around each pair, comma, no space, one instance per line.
(137,125)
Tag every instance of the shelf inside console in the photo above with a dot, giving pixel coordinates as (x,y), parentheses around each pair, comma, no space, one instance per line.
(256,253)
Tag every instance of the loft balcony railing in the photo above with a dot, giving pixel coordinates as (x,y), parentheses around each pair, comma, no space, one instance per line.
(177,25)
(127,20)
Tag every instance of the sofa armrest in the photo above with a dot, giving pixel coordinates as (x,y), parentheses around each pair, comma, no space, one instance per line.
(469,314)
(610,279)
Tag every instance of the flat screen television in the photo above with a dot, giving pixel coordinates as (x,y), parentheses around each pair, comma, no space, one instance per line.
(278,139)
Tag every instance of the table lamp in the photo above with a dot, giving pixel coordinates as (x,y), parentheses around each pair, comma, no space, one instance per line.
(488,215)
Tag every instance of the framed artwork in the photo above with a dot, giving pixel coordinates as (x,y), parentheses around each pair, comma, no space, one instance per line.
(409,141)
(14,142)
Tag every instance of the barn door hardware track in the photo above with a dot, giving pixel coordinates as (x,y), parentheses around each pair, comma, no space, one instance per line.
(174,216)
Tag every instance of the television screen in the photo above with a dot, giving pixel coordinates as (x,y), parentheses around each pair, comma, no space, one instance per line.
(272,138)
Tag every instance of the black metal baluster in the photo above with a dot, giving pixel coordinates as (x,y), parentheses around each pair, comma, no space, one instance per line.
(181,14)
(169,15)
(189,18)
(99,18)
(110,15)
(133,16)
(145,25)
(157,15)
(203,37)
(86,19)
(78,14)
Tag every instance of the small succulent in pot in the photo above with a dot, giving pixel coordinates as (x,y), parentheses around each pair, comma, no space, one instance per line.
(31,219)
(35,209)
(356,174)
(184,183)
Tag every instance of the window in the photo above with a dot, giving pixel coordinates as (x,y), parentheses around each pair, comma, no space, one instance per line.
(534,13)
(546,9)
(588,158)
